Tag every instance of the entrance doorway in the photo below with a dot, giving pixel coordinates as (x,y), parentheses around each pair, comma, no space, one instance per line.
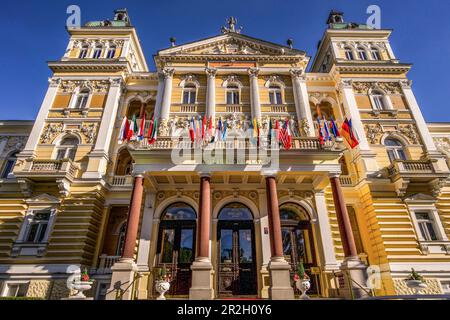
(237,257)
(176,246)
(298,242)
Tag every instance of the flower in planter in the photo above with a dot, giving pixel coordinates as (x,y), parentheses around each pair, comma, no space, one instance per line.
(415,276)
(301,273)
(85,276)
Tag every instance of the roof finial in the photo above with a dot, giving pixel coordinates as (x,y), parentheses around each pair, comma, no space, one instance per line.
(232,22)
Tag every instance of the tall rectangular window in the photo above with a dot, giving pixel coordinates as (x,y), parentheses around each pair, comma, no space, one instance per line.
(426,226)
(37,227)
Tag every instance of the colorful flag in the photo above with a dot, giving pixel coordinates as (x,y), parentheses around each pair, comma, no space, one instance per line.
(203,127)
(133,128)
(285,136)
(122,133)
(269,135)
(209,134)
(347,133)
(218,136)
(192,129)
(277,131)
(327,130)
(141,133)
(225,130)
(321,134)
(334,129)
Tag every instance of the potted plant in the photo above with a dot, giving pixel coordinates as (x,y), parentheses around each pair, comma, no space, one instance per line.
(302,281)
(416,282)
(83,284)
(162,282)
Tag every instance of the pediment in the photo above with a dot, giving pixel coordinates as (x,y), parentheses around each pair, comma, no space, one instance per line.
(231,44)
(420,197)
(43,198)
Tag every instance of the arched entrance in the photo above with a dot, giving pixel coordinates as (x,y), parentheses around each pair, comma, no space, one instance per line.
(176,245)
(298,241)
(237,255)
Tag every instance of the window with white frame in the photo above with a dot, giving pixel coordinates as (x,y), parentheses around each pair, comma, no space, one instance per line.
(97,52)
(378,100)
(426,226)
(9,166)
(111,52)
(67,148)
(15,289)
(82,99)
(37,227)
(375,54)
(233,94)
(275,95)
(189,94)
(361,53)
(349,53)
(84,52)
(394,149)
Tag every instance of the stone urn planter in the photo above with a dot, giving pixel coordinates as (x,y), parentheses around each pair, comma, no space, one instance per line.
(303,286)
(162,287)
(80,287)
(417,285)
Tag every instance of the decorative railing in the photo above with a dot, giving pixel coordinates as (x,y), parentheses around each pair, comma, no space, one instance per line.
(279,109)
(121,181)
(346,181)
(233,109)
(106,262)
(65,166)
(188,109)
(411,167)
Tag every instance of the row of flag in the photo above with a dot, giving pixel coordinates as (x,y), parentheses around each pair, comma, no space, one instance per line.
(201,131)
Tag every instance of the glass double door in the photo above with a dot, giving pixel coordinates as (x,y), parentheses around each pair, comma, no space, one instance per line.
(237,264)
(177,253)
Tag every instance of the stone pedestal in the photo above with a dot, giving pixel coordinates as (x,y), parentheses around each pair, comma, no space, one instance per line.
(123,275)
(280,280)
(202,284)
(354,269)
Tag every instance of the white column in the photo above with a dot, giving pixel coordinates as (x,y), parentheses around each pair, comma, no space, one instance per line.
(33,140)
(418,117)
(264,223)
(211,94)
(109,115)
(351,109)
(301,98)
(254,94)
(146,232)
(329,254)
(167,97)
(159,95)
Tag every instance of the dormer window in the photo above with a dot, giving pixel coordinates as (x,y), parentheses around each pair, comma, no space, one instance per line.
(349,53)
(97,52)
(361,53)
(82,99)
(275,95)
(233,96)
(84,52)
(111,52)
(375,54)
(189,94)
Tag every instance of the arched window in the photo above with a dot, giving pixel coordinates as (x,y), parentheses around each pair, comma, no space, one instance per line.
(84,51)
(97,52)
(361,53)
(189,94)
(235,212)
(394,149)
(349,53)
(275,95)
(233,94)
(111,52)
(124,164)
(9,166)
(67,148)
(375,54)
(82,99)
(378,100)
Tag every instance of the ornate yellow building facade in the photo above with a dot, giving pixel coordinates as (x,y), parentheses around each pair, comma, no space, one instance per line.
(359,219)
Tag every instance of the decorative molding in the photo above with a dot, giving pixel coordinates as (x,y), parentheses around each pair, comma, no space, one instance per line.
(89,131)
(367,87)
(50,132)
(211,72)
(253,72)
(168,73)
(95,86)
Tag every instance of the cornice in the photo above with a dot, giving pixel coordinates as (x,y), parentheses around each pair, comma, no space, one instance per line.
(93,66)
(373,68)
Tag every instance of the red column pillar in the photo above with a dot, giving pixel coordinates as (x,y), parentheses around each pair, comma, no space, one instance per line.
(276,241)
(133,218)
(204,218)
(345,227)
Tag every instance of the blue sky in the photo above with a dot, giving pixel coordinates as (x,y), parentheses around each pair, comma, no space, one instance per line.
(34,32)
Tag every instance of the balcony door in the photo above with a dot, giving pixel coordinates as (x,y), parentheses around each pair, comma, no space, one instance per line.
(176,246)
(237,260)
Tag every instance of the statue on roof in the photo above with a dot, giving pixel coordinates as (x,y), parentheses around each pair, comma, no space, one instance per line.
(232,22)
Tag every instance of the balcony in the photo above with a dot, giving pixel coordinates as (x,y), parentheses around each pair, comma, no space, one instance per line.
(346,181)
(105,263)
(120,181)
(411,168)
(48,169)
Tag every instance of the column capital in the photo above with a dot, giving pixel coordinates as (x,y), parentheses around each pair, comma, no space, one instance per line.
(168,72)
(269,173)
(334,174)
(346,84)
(298,74)
(253,72)
(211,72)
(205,174)
(406,84)
(54,82)
(115,82)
